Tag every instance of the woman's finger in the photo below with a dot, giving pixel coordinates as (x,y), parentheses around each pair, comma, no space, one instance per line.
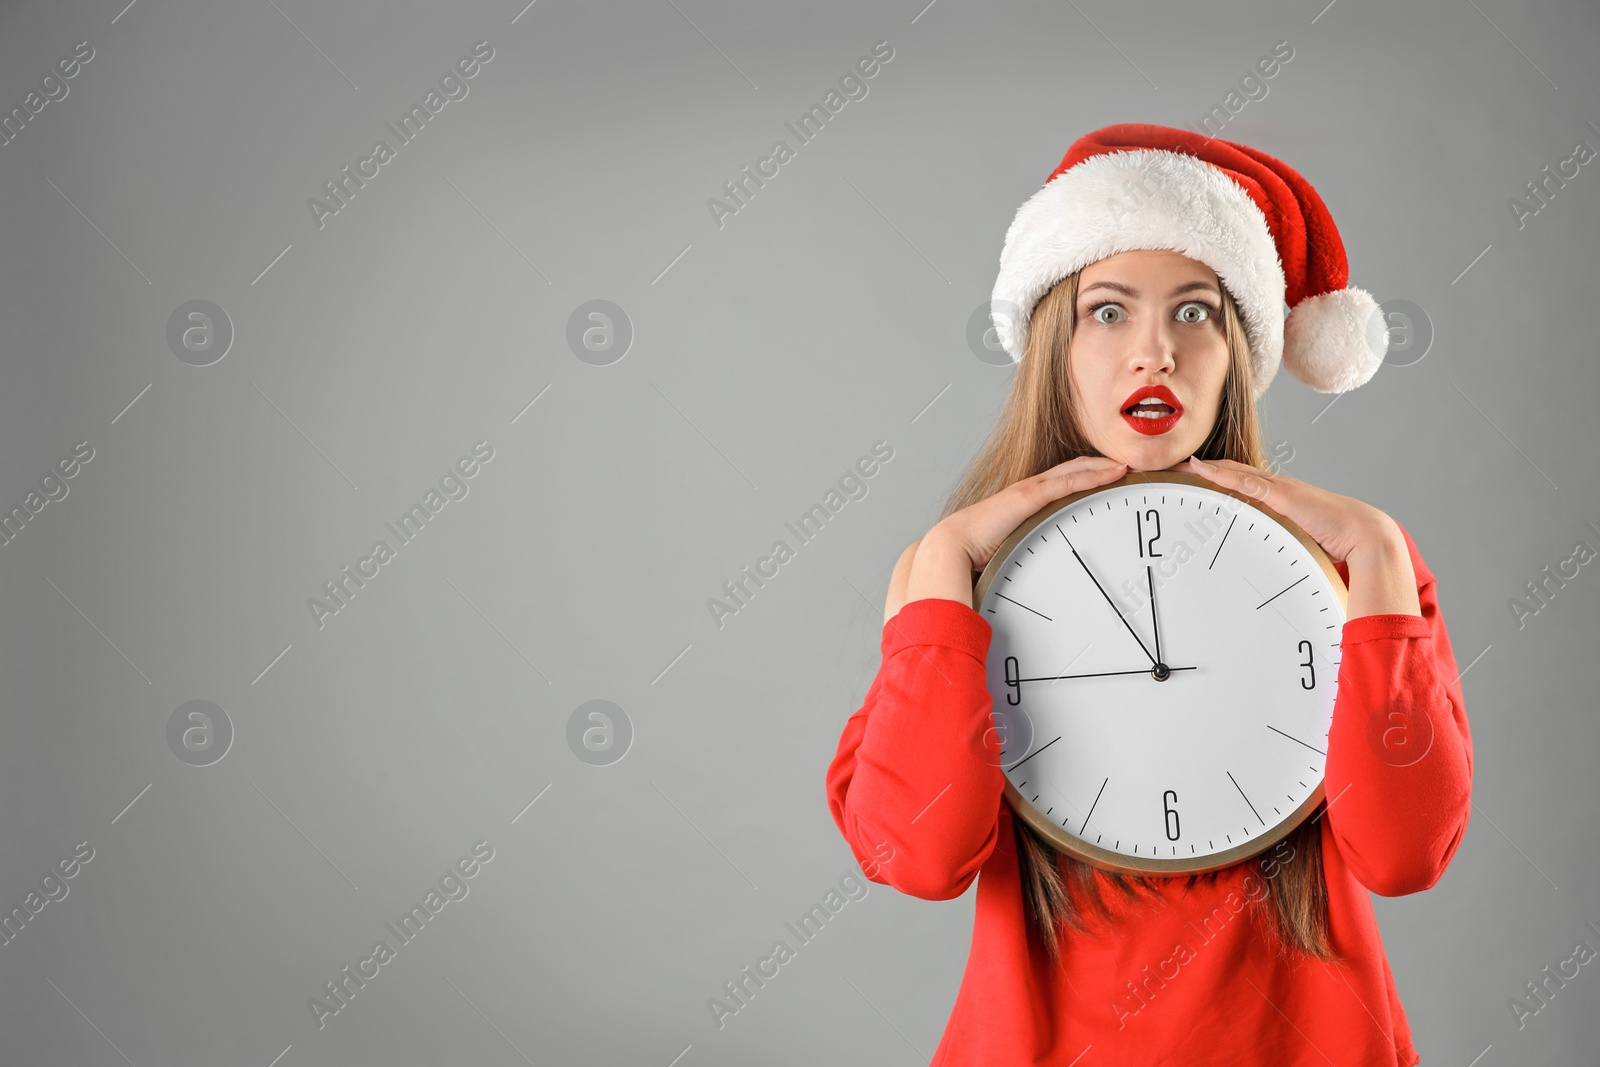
(1253,482)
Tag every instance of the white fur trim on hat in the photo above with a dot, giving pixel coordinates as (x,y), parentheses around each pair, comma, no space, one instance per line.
(1146,198)
(1335,341)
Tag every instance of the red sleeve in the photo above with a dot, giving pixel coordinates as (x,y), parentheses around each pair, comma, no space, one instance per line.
(915,786)
(1399,770)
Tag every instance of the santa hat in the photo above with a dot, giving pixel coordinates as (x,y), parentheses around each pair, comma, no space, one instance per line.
(1249,217)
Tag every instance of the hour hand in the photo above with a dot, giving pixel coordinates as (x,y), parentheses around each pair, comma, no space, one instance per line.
(1155,620)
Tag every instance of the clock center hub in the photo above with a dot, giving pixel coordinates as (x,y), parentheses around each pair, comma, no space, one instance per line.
(1161,672)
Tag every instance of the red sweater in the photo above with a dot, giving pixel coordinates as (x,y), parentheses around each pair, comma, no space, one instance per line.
(1192,981)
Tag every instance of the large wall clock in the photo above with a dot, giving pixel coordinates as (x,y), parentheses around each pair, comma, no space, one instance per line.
(1163,666)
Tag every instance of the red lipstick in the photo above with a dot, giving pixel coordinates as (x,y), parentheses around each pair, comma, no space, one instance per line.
(1163,402)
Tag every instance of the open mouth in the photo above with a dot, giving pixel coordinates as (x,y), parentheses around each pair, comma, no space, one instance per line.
(1152,409)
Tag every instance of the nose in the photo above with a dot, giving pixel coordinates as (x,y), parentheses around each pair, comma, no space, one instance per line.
(1153,349)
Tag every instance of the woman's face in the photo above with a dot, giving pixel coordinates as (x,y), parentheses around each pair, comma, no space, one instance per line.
(1148,318)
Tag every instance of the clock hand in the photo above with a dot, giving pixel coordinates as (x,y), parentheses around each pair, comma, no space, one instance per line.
(1103,593)
(1155,620)
(1097,674)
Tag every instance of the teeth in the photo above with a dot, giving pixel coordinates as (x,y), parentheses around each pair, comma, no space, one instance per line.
(1146,409)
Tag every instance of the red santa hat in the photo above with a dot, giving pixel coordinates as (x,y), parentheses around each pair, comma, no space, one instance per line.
(1249,217)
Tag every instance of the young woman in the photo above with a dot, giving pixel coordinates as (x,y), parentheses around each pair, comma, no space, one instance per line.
(1275,960)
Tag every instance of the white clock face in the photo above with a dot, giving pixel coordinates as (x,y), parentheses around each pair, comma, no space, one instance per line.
(1172,728)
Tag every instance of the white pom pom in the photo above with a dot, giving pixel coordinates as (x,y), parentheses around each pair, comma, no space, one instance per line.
(1335,341)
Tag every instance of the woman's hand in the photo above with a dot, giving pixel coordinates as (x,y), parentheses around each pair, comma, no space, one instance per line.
(963,542)
(1342,525)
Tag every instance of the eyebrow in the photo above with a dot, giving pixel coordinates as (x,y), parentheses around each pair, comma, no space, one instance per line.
(1128,290)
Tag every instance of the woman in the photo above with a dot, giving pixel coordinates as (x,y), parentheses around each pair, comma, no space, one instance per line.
(1273,960)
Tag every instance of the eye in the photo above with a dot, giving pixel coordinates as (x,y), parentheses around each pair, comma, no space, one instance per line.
(1186,311)
(1094,313)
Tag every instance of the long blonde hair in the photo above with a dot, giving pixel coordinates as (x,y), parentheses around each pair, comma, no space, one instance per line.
(1037,429)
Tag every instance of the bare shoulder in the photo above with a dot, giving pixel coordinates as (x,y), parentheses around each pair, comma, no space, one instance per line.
(899,580)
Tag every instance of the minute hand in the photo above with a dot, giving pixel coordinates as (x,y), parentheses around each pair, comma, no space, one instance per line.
(1103,593)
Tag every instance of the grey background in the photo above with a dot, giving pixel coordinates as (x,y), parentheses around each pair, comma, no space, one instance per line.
(768,356)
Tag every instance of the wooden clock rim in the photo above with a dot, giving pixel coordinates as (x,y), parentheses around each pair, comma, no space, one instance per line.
(1106,859)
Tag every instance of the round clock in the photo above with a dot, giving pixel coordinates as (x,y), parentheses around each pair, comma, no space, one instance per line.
(1163,666)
